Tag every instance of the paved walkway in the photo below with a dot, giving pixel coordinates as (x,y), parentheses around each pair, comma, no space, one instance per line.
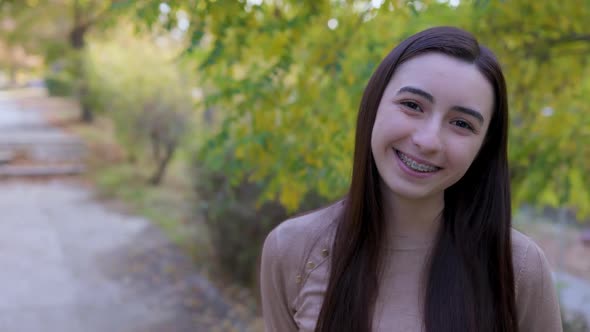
(575,293)
(72,264)
(25,131)
(52,237)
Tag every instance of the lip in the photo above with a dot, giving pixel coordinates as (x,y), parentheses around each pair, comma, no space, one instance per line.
(410,171)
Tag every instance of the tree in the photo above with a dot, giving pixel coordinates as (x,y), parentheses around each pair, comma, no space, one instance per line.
(286,79)
(19,45)
(294,85)
(150,108)
(545,57)
(66,24)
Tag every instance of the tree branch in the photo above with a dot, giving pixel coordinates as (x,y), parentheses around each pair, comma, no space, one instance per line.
(91,21)
(572,38)
(99,16)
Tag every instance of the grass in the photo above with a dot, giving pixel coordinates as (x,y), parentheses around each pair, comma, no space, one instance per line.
(167,205)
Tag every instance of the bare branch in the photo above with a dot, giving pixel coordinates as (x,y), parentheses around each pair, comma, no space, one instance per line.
(572,38)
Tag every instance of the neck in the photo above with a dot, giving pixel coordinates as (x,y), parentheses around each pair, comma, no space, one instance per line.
(412,219)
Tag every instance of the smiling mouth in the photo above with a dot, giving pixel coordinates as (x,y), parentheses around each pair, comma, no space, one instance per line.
(416,166)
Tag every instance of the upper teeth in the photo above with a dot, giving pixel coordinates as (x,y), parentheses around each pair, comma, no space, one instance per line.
(416,165)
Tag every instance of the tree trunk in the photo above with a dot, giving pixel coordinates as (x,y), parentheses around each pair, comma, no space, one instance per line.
(12,73)
(78,36)
(78,41)
(155,146)
(86,115)
(156,179)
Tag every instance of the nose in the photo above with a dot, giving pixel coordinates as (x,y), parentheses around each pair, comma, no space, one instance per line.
(427,137)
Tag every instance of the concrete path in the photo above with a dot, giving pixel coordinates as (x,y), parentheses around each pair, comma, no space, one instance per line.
(73,264)
(24,131)
(52,236)
(69,264)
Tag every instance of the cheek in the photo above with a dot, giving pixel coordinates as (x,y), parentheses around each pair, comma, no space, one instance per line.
(380,138)
(378,135)
(389,129)
(375,136)
(373,143)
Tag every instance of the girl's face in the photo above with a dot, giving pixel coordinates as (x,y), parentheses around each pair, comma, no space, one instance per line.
(430,124)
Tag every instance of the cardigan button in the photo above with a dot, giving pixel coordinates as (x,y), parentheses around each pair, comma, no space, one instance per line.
(298,279)
(325,252)
(310,265)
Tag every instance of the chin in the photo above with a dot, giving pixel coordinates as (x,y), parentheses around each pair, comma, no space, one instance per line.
(413,193)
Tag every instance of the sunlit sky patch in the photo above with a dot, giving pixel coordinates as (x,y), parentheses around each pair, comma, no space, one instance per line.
(164,8)
(332,23)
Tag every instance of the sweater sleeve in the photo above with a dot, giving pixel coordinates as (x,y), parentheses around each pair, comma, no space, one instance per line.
(275,303)
(537,301)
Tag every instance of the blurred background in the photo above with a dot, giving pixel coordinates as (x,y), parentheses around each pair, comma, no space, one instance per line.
(148,147)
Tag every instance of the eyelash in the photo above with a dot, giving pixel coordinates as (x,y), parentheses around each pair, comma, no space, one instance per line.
(416,108)
(467,125)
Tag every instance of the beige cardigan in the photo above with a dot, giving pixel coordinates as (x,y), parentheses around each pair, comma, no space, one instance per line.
(295,267)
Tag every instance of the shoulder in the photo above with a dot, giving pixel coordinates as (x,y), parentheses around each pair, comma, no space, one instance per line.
(291,241)
(288,246)
(529,260)
(536,295)
(292,238)
(299,229)
(530,263)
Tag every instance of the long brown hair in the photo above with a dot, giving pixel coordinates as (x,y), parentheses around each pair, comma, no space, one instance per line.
(470,284)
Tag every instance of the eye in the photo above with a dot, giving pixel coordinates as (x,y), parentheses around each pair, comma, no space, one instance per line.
(412,105)
(463,124)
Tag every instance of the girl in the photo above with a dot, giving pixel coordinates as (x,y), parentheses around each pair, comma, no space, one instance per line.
(423,239)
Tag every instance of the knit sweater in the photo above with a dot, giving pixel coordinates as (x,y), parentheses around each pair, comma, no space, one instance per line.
(295,273)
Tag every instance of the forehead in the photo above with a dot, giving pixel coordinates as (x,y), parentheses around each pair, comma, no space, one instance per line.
(451,81)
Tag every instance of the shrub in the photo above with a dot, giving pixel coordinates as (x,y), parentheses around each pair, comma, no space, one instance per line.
(574,322)
(59,84)
(237,222)
(146,94)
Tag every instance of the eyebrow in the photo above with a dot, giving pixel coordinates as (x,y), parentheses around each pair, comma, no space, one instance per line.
(430,98)
(471,112)
(416,91)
